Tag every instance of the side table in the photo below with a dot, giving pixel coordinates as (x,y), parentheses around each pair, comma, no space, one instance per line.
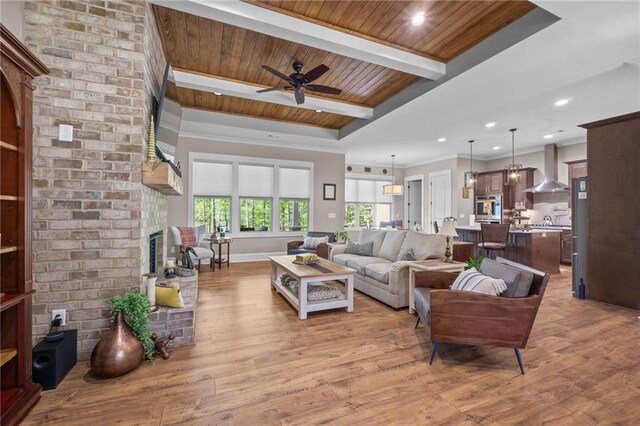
(220,241)
(429,265)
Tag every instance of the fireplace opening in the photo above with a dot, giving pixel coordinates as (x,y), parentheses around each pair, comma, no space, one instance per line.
(155,252)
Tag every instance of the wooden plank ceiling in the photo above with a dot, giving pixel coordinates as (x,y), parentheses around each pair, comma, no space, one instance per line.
(221,50)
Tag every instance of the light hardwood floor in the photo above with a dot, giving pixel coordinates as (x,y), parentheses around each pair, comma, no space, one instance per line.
(256,363)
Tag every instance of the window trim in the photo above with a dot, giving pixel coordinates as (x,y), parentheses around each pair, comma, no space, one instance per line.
(235,161)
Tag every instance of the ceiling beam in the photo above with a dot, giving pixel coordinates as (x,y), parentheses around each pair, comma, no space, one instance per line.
(256,18)
(212,83)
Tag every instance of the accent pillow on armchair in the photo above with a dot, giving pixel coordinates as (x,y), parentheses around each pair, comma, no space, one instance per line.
(312,238)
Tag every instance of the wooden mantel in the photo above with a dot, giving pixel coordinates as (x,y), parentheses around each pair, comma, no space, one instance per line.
(161,177)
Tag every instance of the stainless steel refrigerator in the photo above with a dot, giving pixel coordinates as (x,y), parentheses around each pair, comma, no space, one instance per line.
(579,235)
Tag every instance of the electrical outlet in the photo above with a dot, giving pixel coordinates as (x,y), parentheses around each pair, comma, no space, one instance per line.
(65,133)
(332,216)
(62,313)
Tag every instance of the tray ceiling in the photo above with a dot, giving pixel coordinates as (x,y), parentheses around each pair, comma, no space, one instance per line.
(204,46)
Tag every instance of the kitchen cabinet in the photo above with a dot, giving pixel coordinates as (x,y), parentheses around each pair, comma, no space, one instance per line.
(18,67)
(566,246)
(489,183)
(539,249)
(496,182)
(516,191)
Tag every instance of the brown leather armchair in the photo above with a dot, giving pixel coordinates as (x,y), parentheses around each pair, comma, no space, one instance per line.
(295,247)
(467,318)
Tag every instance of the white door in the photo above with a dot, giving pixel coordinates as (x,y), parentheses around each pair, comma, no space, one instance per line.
(413,212)
(439,198)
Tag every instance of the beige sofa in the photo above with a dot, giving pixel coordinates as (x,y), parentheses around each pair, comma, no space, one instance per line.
(382,276)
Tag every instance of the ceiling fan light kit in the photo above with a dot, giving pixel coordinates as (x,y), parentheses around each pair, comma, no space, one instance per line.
(300,82)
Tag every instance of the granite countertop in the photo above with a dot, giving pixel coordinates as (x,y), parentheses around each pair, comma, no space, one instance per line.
(515,231)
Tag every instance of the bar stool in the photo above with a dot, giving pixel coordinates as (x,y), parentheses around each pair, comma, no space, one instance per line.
(494,238)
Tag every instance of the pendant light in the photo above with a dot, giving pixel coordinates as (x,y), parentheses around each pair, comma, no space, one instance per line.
(470,177)
(392,188)
(513,171)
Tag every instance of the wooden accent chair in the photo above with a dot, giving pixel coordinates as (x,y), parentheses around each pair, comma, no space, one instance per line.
(493,237)
(467,318)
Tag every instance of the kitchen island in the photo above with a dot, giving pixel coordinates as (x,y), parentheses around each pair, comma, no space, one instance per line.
(538,248)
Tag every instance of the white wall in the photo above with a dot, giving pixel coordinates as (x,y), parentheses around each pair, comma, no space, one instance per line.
(11,16)
(328,168)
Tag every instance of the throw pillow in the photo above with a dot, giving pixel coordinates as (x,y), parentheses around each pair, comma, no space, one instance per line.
(361,249)
(518,281)
(474,281)
(391,245)
(169,296)
(407,254)
(374,235)
(188,237)
(425,246)
(312,243)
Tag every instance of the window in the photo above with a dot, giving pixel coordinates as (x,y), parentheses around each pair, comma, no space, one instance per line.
(365,205)
(212,195)
(250,195)
(255,214)
(294,189)
(214,213)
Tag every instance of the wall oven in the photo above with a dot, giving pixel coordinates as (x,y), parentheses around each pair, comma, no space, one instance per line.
(489,209)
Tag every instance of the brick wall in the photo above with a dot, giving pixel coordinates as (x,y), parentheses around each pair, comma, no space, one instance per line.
(90,208)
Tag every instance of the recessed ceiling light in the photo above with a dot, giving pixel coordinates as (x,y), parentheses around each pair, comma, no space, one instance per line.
(496,148)
(318,110)
(217,93)
(489,125)
(562,102)
(548,136)
(442,139)
(418,19)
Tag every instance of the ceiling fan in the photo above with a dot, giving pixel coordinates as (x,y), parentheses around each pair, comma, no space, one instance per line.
(299,82)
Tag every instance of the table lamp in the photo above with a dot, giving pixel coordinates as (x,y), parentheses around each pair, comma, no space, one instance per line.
(449,230)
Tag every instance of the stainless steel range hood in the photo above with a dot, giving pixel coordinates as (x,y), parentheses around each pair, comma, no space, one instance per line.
(551,183)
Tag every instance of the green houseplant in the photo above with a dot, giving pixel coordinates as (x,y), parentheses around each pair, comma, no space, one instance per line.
(136,309)
(342,236)
(474,263)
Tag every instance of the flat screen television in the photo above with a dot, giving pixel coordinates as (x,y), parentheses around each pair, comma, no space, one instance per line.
(168,114)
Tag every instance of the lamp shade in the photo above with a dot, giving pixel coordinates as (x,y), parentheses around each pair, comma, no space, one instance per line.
(448,228)
(392,189)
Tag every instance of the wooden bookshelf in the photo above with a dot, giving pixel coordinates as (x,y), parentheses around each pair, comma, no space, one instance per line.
(18,67)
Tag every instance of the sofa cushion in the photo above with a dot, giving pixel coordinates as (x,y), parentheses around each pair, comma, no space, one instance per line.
(378,271)
(425,246)
(474,281)
(361,249)
(360,262)
(391,244)
(422,300)
(407,254)
(313,242)
(375,235)
(517,280)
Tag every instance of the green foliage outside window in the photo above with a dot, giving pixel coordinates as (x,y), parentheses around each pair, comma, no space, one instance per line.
(209,211)
(365,215)
(294,215)
(350,216)
(255,214)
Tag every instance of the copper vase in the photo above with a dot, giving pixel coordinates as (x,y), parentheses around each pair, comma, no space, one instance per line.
(118,352)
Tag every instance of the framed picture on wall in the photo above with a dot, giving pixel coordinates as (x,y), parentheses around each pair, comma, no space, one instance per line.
(329,191)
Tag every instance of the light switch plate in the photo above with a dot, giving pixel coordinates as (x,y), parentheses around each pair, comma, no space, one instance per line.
(65,133)
(332,215)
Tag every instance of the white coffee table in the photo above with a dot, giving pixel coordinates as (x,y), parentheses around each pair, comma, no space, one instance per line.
(306,274)
(429,265)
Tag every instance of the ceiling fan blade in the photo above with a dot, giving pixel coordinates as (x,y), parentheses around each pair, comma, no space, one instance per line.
(277,73)
(316,72)
(324,89)
(272,89)
(299,95)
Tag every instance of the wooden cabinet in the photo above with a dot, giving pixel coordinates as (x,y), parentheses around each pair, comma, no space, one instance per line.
(17,68)
(490,183)
(516,191)
(496,183)
(566,246)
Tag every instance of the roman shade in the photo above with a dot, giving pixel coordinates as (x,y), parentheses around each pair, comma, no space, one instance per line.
(255,181)
(365,191)
(212,179)
(294,183)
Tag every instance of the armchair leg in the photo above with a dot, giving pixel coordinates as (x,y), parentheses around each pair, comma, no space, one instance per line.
(433,352)
(519,360)
(417,322)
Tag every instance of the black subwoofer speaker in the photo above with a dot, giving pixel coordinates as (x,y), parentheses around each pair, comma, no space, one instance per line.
(53,360)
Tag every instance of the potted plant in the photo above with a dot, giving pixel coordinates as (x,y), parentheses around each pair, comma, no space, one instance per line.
(474,263)
(341,236)
(123,347)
